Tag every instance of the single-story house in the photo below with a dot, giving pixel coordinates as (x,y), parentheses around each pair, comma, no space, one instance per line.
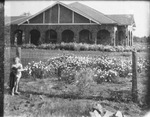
(73,22)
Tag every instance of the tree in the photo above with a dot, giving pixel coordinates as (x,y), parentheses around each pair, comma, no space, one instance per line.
(26,14)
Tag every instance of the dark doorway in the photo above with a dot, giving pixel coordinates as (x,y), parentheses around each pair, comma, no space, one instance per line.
(35,36)
(51,36)
(18,37)
(103,37)
(121,38)
(67,36)
(129,38)
(85,36)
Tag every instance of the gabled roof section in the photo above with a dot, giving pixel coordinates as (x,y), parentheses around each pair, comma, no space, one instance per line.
(83,10)
(94,14)
(123,19)
(67,6)
(79,12)
(38,13)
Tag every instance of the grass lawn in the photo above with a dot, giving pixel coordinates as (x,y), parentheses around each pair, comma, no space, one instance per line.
(52,98)
(29,55)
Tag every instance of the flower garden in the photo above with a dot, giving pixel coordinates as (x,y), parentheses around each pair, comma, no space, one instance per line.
(102,68)
(70,82)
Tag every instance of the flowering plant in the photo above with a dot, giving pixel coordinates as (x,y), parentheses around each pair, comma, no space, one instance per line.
(105,69)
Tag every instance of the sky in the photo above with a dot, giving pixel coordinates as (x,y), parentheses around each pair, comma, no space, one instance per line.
(140,10)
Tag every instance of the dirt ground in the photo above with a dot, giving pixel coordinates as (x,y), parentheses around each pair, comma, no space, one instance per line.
(50,97)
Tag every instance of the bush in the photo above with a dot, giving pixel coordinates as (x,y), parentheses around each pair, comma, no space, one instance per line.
(68,76)
(76,47)
(105,76)
(87,47)
(83,80)
(93,47)
(119,49)
(66,46)
(105,69)
(32,46)
(46,46)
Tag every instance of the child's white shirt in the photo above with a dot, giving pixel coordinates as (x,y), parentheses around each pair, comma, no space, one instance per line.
(19,65)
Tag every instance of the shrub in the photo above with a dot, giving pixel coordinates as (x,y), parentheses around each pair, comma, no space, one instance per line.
(35,69)
(47,46)
(119,48)
(83,80)
(88,47)
(101,47)
(105,69)
(105,76)
(128,49)
(76,47)
(84,47)
(109,48)
(68,76)
(32,46)
(93,47)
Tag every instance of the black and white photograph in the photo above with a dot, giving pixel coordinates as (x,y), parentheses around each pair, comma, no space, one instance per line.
(76,58)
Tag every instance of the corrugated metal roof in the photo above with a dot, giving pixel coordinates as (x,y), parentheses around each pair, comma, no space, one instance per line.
(123,19)
(15,19)
(98,16)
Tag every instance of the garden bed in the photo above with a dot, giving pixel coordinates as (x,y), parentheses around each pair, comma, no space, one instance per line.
(88,47)
(100,66)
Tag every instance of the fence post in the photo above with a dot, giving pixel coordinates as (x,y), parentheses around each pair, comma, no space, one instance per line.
(18,52)
(59,73)
(134,76)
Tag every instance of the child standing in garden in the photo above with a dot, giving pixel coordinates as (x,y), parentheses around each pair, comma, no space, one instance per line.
(15,75)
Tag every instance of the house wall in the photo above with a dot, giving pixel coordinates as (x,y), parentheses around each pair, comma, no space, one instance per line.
(60,28)
(126,39)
